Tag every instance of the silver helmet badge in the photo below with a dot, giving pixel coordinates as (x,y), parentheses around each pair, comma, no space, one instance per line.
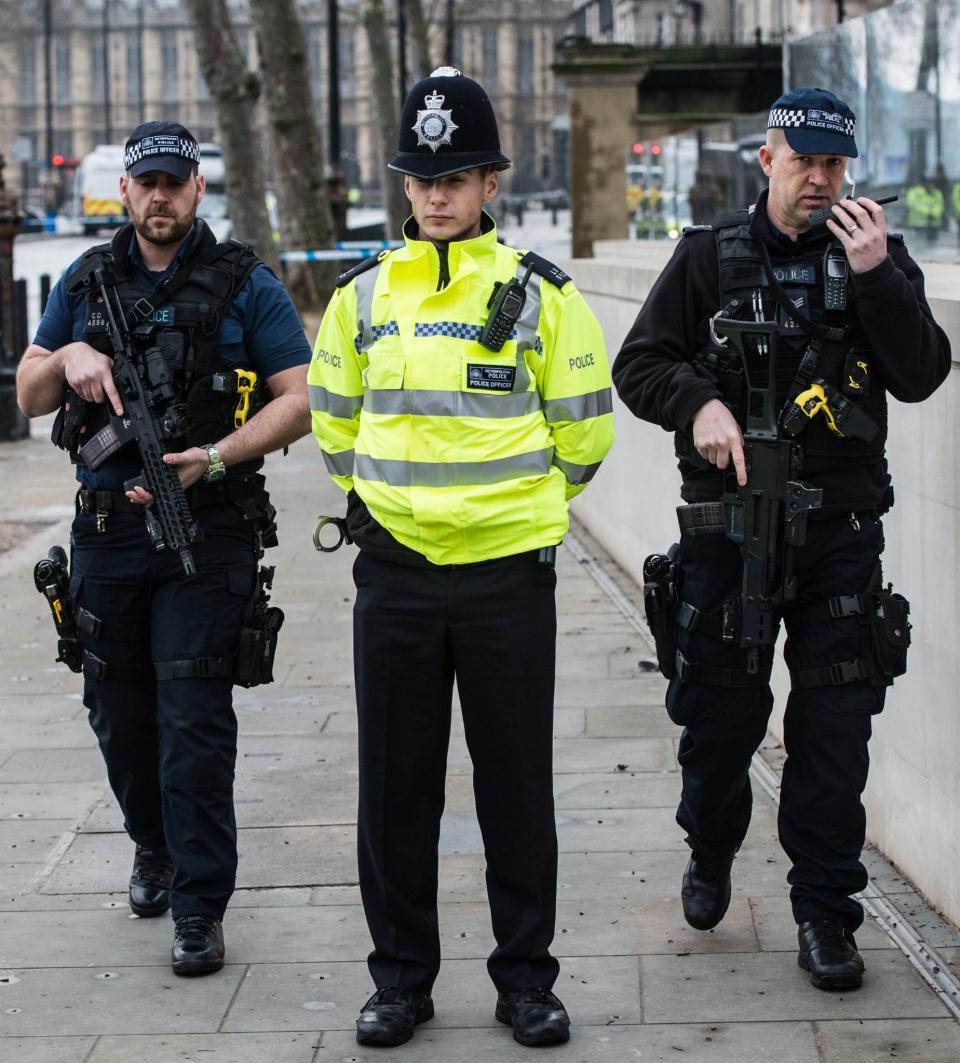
(434,126)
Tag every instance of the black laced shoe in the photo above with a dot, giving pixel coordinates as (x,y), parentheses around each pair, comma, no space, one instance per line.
(705,893)
(389,1016)
(536,1015)
(150,881)
(829,952)
(197,945)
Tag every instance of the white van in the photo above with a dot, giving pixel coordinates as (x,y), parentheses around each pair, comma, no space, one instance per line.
(96,189)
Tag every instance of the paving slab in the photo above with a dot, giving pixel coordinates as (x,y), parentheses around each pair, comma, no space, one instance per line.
(209,1048)
(115,999)
(32,800)
(30,840)
(883,1040)
(769,986)
(48,1049)
(703,1043)
(83,764)
(777,929)
(626,789)
(328,996)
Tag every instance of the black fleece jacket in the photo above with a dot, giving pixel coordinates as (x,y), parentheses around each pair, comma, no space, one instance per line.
(657,380)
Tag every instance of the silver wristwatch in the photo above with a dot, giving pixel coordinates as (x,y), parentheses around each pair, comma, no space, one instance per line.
(216,470)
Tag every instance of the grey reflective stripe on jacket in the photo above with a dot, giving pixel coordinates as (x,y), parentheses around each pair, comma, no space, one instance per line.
(339,464)
(364,286)
(324,401)
(453,473)
(576,474)
(579,407)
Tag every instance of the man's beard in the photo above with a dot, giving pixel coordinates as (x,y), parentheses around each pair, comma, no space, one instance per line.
(182,225)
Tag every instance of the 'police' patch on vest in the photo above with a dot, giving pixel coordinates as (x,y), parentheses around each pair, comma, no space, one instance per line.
(801,301)
(796,273)
(491,377)
(164,315)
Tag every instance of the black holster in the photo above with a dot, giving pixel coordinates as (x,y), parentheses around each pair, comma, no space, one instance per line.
(660,604)
(258,635)
(890,627)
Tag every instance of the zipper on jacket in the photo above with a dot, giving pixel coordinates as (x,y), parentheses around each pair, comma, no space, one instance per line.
(444,279)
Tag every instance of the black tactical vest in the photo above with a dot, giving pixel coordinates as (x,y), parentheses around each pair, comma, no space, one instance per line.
(181,330)
(842,360)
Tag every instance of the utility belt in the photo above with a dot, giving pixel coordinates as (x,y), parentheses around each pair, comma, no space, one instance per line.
(883,610)
(248,494)
(76,627)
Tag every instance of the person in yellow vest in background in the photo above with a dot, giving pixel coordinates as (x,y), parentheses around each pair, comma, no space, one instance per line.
(925,208)
(461,397)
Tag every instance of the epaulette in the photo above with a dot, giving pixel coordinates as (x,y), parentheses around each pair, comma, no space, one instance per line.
(543,268)
(697,229)
(368,263)
(732,217)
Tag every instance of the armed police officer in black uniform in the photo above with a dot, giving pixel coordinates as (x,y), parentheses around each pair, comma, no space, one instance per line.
(768,345)
(221,354)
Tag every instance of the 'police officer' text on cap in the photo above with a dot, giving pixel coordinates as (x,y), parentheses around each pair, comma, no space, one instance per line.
(815,122)
(165,146)
(447,125)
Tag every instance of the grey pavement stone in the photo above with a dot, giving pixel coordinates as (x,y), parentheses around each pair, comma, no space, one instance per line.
(770,986)
(115,1000)
(606,754)
(296,897)
(930,925)
(298,856)
(48,1049)
(582,693)
(30,840)
(208,1048)
(14,878)
(40,710)
(618,790)
(328,996)
(882,1040)
(630,721)
(54,765)
(777,929)
(785,1042)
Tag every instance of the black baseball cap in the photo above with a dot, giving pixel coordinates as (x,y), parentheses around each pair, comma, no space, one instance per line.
(815,122)
(165,146)
(447,125)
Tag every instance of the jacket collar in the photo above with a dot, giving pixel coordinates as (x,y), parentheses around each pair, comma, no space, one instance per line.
(463,256)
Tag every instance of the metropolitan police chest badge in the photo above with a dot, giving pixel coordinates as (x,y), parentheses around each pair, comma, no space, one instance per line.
(434,126)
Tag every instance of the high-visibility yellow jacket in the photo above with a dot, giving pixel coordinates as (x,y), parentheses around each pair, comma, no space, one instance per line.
(462,454)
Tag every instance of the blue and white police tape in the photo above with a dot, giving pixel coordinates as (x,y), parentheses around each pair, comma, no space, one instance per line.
(343,250)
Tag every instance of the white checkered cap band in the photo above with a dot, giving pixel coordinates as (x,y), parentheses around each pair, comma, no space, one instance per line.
(163,144)
(794,118)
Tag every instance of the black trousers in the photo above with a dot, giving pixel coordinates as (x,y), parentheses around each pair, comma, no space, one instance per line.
(492,626)
(826,728)
(170,746)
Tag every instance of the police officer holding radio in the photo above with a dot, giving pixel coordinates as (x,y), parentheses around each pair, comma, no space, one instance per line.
(770,308)
(460,395)
(217,341)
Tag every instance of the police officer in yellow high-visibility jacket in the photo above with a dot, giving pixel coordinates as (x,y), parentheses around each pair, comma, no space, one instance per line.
(459,455)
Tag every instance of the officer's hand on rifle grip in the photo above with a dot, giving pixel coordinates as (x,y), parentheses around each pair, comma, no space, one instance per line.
(191,465)
(718,439)
(90,374)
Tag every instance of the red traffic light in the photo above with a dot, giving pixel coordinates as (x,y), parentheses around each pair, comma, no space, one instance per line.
(654,149)
(57,160)
(637,149)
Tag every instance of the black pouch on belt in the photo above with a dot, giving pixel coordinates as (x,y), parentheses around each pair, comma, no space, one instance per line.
(660,605)
(890,627)
(258,636)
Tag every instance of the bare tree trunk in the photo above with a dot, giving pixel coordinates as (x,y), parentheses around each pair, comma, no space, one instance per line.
(420,38)
(235,90)
(303,198)
(374,22)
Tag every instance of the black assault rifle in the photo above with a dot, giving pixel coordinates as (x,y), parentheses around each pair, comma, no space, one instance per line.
(767,517)
(169,520)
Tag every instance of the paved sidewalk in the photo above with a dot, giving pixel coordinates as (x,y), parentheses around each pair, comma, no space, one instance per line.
(83,981)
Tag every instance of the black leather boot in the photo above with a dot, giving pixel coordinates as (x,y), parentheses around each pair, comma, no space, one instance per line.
(389,1016)
(150,882)
(705,893)
(829,952)
(197,945)
(536,1015)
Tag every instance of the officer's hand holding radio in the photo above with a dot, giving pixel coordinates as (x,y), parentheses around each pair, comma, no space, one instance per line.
(860,226)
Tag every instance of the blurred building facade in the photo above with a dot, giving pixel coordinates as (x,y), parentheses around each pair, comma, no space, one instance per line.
(151,71)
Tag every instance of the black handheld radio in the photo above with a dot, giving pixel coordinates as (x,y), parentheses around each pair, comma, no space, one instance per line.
(506,305)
